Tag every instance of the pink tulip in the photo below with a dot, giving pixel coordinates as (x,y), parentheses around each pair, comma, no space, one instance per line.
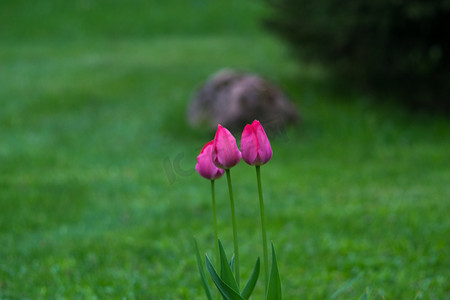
(255,146)
(225,153)
(205,166)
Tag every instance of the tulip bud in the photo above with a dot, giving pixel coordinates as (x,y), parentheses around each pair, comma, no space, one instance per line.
(205,166)
(225,153)
(255,145)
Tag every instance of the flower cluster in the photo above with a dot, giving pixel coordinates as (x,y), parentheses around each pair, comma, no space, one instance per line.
(217,158)
(222,153)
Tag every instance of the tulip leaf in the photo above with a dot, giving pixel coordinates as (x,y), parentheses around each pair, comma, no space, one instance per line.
(274,288)
(227,292)
(202,273)
(225,270)
(232,263)
(248,289)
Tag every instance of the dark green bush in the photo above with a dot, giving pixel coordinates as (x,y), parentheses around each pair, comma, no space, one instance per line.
(390,46)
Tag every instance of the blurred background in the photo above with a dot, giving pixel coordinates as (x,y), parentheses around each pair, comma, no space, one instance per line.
(98,194)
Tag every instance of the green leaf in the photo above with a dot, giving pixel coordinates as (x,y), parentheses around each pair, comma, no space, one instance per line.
(248,289)
(202,273)
(274,288)
(225,270)
(227,292)
(232,263)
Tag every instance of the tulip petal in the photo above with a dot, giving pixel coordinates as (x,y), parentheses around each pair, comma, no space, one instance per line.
(205,166)
(264,149)
(249,145)
(225,153)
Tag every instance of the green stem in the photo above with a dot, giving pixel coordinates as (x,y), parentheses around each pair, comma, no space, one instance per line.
(263,227)
(233,219)
(216,235)
(216,238)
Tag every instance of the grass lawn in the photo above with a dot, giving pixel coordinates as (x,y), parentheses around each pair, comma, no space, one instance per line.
(94,206)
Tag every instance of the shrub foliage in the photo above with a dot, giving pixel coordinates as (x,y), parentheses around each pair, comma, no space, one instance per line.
(399,46)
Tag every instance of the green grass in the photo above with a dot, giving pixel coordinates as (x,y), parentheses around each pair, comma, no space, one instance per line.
(92,118)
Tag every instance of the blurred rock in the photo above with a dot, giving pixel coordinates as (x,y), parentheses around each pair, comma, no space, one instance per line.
(233,99)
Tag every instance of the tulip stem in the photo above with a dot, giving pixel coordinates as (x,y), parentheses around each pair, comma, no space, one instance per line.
(233,219)
(216,238)
(263,228)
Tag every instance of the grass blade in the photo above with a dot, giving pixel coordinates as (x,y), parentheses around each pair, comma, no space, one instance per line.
(274,288)
(248,289)
(345,287)
(202,273)
(365,296)
(227,292)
